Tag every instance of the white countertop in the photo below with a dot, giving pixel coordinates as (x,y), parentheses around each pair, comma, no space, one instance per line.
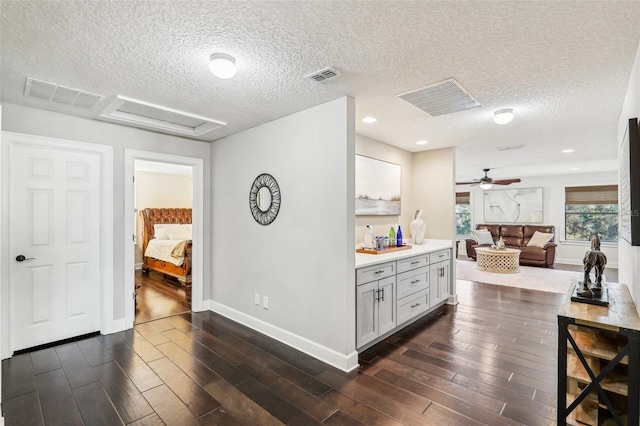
(363,259)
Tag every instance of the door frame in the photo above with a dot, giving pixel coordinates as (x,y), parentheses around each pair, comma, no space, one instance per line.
(105,153)
(197,219)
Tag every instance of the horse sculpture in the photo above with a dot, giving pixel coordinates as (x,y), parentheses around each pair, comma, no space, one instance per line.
(593,258)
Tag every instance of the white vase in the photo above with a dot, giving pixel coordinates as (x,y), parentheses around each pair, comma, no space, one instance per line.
(418,228)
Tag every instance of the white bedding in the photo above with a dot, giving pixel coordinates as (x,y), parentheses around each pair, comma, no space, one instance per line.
(161,249)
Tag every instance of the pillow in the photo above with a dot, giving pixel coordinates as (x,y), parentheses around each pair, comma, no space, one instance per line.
(160,234)
(178,231)
(539,239)
(482,236)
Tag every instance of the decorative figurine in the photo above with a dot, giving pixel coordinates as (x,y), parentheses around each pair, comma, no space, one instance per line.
(500,244)
(417,228)
(593,258)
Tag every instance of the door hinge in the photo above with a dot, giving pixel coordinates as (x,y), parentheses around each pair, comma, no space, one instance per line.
(133,179)
(133,237)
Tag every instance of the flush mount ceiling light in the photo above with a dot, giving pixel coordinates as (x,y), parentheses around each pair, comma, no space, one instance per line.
(422,142)
(503,116)
(486,185)
(369,120)
(567,151)
(223,65)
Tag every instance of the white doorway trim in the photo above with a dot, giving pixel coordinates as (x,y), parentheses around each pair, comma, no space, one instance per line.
(197,217)
(105,221)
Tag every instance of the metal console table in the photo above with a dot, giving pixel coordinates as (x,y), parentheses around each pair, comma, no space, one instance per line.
(599,371)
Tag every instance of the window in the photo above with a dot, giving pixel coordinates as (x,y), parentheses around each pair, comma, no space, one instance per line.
(590,209)
(463,213)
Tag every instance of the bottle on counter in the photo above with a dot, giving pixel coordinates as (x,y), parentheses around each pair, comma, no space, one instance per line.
(392,237)
(399,237)
(368,238)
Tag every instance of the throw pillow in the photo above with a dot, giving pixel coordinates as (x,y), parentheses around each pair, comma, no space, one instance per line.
(539,239)
(178,231)
(482,236)
(161,234)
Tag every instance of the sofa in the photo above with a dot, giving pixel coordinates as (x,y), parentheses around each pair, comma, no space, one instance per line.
(518,236)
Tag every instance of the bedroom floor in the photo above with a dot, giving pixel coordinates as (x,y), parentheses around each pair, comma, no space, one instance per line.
(157,299)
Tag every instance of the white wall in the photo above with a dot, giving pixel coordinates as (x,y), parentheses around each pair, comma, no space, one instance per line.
(21,119)
(553,205)
(382,224)
(629,270)
(159,190)
(304,261)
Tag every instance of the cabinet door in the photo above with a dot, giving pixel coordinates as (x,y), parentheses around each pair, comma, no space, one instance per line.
(386,305)
(435,270)
(366,313)
(444,282)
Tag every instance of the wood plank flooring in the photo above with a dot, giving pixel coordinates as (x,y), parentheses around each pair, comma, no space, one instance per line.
(157,298)
(489,360)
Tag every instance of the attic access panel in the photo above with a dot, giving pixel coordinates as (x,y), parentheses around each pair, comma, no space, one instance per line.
(145,115)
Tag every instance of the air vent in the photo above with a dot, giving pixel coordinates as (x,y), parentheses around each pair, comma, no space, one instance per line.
(60,94)
(442,98)
(132,112)
(509,147)
(323,74)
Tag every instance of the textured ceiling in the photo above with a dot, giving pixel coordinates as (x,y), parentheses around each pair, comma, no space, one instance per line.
(562,66)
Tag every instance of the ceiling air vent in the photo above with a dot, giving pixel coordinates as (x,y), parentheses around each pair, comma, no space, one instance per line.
(441,98)
(323,74)
(60,94)
(509,147)
(135,113)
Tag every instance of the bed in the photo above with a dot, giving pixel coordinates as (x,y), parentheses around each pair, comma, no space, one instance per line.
(166,244)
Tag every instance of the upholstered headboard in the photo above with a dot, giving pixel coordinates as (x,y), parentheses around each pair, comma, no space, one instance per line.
(153,216)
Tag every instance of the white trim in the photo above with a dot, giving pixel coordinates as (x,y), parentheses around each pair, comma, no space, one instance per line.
(138,266)
(347,363)
(105,152)
(197,218)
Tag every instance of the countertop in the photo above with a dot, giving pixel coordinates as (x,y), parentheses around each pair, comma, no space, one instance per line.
(363,259)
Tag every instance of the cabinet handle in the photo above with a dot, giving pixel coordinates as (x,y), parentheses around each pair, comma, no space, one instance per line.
(378,272)
(413,306)
(382,290)
(414,281)
(415,262)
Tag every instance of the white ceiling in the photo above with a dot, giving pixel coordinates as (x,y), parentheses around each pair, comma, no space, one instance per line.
(562,66)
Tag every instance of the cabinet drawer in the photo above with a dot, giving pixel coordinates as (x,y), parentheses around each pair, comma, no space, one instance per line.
(413,263)
(375,272)
(440,255)
(412,305)
(412,281)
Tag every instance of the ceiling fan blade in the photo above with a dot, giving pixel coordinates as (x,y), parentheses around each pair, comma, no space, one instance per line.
(505,181)
(467,183)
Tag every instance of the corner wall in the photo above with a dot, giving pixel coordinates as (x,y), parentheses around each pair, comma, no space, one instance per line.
(629,256)
(304,261)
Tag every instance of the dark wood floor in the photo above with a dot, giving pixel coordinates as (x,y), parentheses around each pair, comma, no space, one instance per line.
(158,297)
(489,360)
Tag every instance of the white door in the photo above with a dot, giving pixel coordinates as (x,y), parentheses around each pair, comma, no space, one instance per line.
(54,221)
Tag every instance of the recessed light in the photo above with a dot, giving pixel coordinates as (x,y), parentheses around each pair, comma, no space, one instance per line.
(503,116)
(369,120)
(423,142)
(566,151)
(575,168)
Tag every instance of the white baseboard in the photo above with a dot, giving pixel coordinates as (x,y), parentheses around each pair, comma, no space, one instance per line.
(340,361)
(114,326)
(613,265)
(138,266)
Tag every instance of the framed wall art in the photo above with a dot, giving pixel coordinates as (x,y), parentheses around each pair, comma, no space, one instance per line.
(518,205)
(378,187)
(629,203)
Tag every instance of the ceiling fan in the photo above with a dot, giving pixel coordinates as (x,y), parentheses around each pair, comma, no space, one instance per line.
(486,182)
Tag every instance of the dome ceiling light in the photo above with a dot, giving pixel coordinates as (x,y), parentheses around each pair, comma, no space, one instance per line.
(223,65)
(503,116)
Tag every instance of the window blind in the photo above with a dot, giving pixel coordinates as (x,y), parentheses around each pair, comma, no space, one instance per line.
(596,194)
(463,198)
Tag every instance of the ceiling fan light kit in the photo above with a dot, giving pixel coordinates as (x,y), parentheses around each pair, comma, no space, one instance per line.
(223,65)
(503,116)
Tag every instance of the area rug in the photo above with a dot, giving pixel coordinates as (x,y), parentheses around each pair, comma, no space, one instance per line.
(530,277)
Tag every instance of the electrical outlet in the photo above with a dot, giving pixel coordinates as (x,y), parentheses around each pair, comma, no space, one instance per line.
(256,299)
(265,302)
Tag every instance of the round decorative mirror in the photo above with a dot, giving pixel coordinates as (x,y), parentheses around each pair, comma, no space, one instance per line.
(264,199)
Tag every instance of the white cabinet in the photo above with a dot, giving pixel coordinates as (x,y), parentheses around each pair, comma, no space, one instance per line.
(375,302)
(440,277)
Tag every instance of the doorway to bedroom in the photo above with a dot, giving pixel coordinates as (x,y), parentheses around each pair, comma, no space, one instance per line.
(163,196)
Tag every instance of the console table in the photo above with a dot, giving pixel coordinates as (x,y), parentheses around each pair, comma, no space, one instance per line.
(498,260)
(599,371)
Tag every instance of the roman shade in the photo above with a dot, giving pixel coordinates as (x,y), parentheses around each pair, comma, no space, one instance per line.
(463,198)
(596,194)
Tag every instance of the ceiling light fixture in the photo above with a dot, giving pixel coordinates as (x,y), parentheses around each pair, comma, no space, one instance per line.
(575,168)
(369,120)
(566,151)
(486,185)
(223,65)
(423,142)
(503,116)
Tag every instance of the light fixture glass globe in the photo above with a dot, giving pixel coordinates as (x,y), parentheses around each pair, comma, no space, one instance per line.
(223,65)
(486,185)
(503,116)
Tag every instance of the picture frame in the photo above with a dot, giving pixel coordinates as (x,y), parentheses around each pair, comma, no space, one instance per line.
(378,187)
(517,205)
(629,203)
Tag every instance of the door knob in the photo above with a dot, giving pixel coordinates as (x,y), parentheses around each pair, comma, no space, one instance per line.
(21,258)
